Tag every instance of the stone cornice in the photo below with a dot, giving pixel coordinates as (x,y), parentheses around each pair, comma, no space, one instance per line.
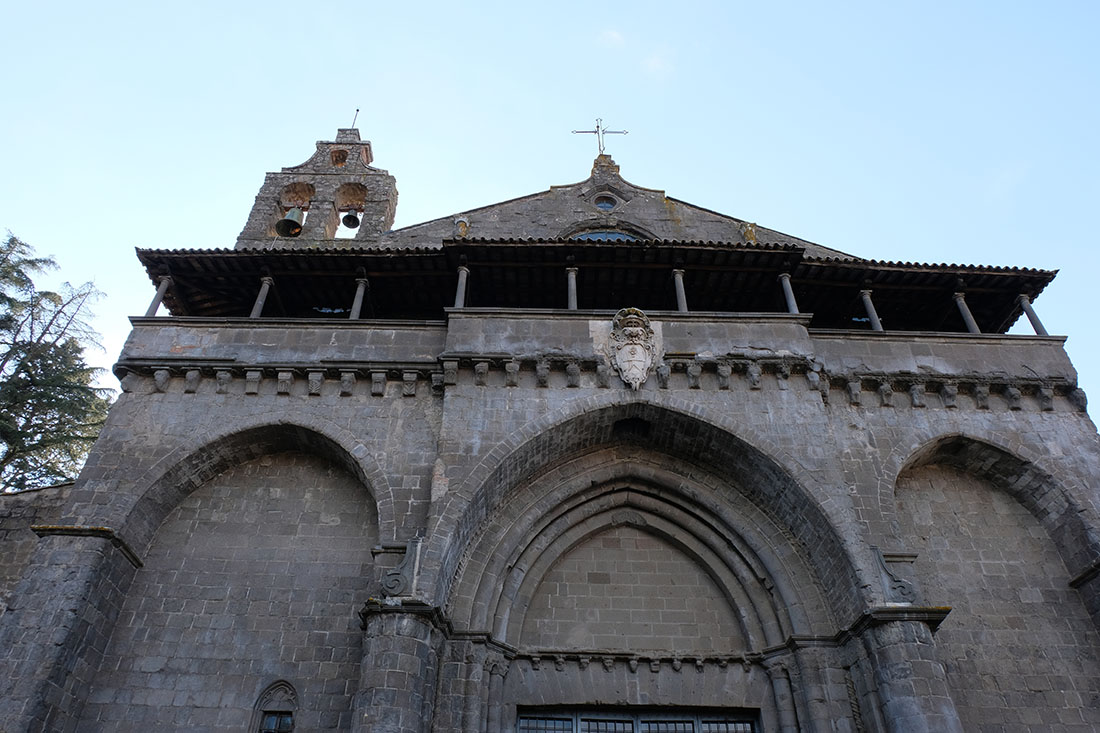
(46,530)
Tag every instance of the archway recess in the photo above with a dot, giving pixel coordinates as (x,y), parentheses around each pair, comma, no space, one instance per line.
(180,473)
(995,537)
(688,461)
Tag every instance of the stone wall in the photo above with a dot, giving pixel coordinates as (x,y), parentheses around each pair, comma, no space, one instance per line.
(1020,650)
(255,577)
(759,457)
(18,512)
(624,589)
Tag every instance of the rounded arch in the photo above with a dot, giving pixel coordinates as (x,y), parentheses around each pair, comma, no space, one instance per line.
(188,467)
(604,223)
(298,194)
(662,426)
(351,196)
(1037,490)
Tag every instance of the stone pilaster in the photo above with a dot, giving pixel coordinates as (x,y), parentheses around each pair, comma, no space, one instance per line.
(911,683)
(57,626)
(400,658)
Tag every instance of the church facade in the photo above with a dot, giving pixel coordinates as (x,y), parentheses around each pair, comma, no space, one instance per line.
(593,459)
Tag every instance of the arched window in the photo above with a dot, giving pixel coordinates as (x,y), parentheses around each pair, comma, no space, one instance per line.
(604,235)
(274,711)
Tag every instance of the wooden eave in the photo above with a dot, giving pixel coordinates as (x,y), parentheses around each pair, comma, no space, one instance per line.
(913,296)
(718,276)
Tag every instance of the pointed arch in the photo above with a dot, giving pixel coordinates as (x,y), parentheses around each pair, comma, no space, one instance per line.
(183,470)
(609,489)
(272,528)
(1057,510)
(733,468)
(1000,540)
(278,699)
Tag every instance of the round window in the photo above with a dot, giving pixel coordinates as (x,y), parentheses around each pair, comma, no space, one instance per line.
(605,203)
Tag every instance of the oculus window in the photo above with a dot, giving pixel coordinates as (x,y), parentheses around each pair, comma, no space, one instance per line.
(605,202)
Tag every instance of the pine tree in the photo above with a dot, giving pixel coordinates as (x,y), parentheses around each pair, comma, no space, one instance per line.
(50,408)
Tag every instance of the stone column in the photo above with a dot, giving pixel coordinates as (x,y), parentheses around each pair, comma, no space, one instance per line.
(61,610)
(784,697)
(460,291)
(397,677)
(498,669)
(471,704)
(876,324)
(788,292)
(261,297)
(964,311)
(162,288)
(571,277)
(910,682)
(1025,303)
(809,676)
(361,284)
(681,296)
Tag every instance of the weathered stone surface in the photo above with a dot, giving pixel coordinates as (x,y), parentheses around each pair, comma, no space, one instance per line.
(715,538)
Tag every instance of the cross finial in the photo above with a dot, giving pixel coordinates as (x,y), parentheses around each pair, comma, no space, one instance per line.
(599,132)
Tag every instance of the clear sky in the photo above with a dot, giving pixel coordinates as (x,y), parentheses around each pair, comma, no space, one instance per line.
(932,132)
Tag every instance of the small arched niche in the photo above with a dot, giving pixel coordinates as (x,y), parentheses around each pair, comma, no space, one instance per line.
(350,202)
(298,194)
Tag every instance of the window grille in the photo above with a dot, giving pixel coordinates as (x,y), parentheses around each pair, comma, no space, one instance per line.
(277,723)
(274,711)
(528,724)
(668,726)
(606,726)
(642,722)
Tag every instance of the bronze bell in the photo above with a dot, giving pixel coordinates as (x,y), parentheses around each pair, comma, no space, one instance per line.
(350,220)
(291,224)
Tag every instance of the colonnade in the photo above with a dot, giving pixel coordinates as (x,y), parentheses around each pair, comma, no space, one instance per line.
(362,284)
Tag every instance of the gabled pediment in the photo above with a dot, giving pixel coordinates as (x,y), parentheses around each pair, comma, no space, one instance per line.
(603,202)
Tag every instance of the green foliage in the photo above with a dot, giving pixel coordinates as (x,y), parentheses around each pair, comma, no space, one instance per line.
(50,409)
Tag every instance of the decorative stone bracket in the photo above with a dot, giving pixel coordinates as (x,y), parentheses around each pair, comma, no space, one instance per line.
(401,580)
(288,380)
(868,390)
(893,569)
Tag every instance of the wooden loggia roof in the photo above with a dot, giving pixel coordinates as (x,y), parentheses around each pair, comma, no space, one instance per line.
(723,277)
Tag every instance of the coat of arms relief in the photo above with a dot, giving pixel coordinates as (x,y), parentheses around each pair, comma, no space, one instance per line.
(631,346)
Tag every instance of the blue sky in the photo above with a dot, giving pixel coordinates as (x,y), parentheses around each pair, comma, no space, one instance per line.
(958,133)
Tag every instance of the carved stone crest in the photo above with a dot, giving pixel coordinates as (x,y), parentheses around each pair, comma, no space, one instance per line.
(631,346)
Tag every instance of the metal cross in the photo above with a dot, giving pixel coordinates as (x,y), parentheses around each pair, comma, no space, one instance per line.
(599,132)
